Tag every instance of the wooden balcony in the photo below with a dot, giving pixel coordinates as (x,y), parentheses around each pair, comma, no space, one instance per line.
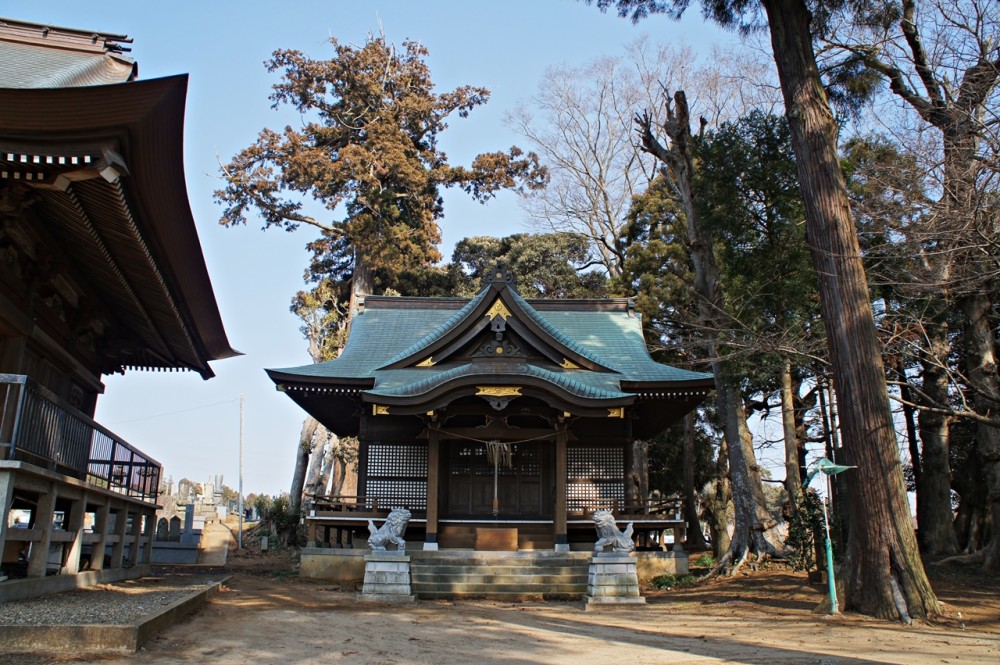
(38,428)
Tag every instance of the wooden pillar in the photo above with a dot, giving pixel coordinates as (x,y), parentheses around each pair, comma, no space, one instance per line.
(6,499)
(561,536)
(631,486)
(39,558)
(101,528)
(311,539)
(433,482)
(118,551)
(74,523)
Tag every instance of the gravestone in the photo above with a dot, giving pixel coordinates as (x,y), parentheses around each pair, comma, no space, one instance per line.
(174,531)
(162,531)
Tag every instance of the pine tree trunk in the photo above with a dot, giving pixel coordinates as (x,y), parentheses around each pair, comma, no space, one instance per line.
(640,472)
(793,480)
(695,535)
(362,284)
(301,465)
(982,372)
(752,520)
(315,462)
(884,574)
(934,516)
(719,504)
(329,457)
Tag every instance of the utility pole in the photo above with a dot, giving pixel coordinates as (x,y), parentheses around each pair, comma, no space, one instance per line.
(239,543)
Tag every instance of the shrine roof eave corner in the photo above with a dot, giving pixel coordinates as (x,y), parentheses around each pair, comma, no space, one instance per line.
(145,121)
(289,377)
(704,384)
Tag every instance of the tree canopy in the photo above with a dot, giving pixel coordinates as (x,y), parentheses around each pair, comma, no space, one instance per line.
(367,151)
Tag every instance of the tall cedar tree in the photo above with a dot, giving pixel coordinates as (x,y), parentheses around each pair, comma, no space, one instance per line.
(885,576)
(368,151)
(902,236)
(943,61)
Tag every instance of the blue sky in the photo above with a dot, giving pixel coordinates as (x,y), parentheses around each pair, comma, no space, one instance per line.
(190,425)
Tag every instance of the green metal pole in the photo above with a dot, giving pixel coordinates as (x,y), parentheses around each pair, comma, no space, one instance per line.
(834,606)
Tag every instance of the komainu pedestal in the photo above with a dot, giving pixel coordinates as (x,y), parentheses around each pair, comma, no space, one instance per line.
(387,578)
(612,581)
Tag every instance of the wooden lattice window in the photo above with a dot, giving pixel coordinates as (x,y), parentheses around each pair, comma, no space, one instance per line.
(397,474)
(595,477)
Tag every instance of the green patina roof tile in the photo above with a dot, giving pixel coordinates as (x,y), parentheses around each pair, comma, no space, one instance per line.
(385,335)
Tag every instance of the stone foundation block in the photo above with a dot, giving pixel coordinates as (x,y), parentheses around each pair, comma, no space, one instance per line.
(387,578)
(612,581)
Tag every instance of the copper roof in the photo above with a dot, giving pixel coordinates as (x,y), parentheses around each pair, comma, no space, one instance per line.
(40,56)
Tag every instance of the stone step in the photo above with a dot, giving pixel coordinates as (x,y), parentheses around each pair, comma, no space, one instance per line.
(498,578)
(505,563)
(508,596)
(549,575)
(459,570)
(483,589)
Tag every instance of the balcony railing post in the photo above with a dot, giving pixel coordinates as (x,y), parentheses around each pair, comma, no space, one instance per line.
(22,386)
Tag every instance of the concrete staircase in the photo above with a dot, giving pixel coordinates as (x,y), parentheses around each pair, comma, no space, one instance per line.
(500,575)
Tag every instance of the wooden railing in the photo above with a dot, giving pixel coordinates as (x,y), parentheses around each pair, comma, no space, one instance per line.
(359,505)
(668,508)
(38,427)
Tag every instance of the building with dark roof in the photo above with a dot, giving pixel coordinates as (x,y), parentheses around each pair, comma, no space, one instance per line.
(494,413)
(101,270)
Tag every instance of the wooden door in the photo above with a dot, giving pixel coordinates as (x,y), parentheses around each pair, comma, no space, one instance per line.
(520,488)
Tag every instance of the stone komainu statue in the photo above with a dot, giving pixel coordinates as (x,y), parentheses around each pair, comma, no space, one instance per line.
(608,533)
(390,532)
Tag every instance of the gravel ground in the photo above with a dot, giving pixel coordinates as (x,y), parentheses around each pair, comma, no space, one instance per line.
(121,603)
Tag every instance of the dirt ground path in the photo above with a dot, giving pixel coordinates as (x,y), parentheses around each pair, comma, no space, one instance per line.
(269,617)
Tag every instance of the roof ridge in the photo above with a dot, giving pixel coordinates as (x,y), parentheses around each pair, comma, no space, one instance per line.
(64,38)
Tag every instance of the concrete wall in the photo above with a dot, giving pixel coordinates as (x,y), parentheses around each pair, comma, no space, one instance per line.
(653,564)
(336,565)
(36,586)
(339,565)
(166,552)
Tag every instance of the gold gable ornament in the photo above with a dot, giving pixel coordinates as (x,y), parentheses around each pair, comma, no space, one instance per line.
(498,397)
(617,412)
(426,362)
(498,309)
(498,391)
(380,410)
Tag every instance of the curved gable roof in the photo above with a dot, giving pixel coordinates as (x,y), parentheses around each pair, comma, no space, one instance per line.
(382,359)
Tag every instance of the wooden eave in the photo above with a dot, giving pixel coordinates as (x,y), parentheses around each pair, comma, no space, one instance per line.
(130,226)
(669,388)
(288,380)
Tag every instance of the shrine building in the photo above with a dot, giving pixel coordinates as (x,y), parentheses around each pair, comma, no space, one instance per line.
(101,271)
(499,422)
